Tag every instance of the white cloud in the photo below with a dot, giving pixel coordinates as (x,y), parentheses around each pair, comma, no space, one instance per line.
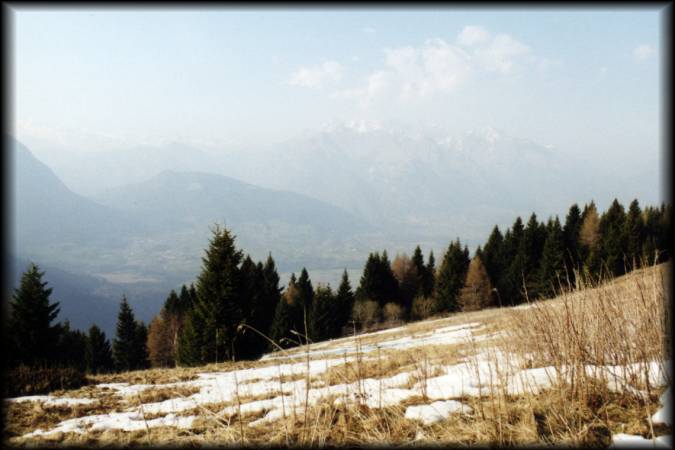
(317,76)
(473,35)
(440,67)
(501,54)
(642,52)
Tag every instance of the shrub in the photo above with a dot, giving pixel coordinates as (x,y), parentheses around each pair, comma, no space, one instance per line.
(366,313)
(392,312)
(422,308)
(24,380)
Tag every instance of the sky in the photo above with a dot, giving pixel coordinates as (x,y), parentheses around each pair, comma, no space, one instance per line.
(585,81)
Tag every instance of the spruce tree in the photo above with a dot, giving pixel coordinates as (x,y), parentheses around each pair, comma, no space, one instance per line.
(124,351)
(613,238)
(324,323)
(493,260)
(533,245)
(190,341)
(634,233)
(421,269)
(511,284)
(572,252)
(71,347)
(30,326)
(552,266)
(219,303)
(451,276)
(98,354)
(345,300)
(141,346)
(271,294)
(430,275)
(303,304)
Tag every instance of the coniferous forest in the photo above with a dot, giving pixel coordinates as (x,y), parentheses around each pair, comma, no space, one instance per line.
(235,309)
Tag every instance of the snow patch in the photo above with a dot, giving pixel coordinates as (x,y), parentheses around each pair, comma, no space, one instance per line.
(436,412)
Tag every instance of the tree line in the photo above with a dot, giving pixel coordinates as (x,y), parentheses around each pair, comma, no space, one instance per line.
(236,310)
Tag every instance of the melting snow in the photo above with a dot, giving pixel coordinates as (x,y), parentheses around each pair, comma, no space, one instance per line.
(436,412)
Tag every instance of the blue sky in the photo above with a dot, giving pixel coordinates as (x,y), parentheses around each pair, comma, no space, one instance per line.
(579,80)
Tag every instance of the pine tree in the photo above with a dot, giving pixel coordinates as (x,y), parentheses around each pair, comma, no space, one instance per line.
(420,269)
(451,276)
(141,346)
(552,266)
(534,237)
(323,317)
(98,355)
(219,303)
(613,238)
(378,282)
(477,291)
(430,275)
(71,347)
(190,341)
(304,299)
(345,300)
(124,353)
(271,295)
(493,260)
(571,232)
(635,234)
(30,328)
(511,284)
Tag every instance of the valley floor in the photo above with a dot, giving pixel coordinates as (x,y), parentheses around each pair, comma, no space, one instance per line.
(591,366)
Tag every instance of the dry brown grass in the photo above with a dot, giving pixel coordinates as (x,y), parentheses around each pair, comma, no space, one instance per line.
(625,321)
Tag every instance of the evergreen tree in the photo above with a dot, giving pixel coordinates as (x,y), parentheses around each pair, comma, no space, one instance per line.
(571,231)
(251,344)
(124,353)
(451,276)
(635,234)
(324,324)
(219,304)
(304,299)
(552,261)
(613,238)
(71,347)
(141,360)
(345,300)
(173,304)
(272,294)
(534,237)
(30,328)
(430,275)
(98,355)
(511,284)
(378,282)
(190,341)
(421,273)
(494,262)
